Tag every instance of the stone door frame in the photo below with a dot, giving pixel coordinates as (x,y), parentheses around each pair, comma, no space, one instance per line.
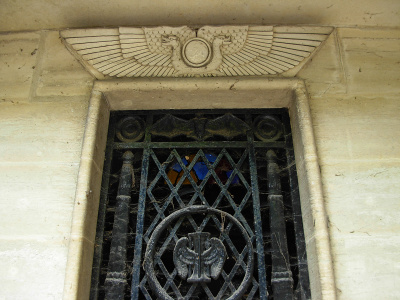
(198,93)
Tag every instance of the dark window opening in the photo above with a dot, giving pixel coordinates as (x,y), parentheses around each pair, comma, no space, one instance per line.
(200,204)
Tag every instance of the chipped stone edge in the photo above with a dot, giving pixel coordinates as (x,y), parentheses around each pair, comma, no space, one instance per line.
(104,98)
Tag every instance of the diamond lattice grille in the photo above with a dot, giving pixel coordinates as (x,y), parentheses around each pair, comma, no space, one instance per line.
(189,224)
(190,203)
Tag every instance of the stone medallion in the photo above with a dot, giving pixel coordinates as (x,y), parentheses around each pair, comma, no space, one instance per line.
(196,52)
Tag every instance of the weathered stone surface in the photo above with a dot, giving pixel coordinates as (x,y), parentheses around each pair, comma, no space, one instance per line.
(362,199)
(37,200)
(42,132)
(372,275)
(39,161)
(372,62)
(58,72)
(32,269)
(354,127)
(324,73)
(18,57)
(44,14)
(369,33)
(358,148)
(355,61)
(356,123)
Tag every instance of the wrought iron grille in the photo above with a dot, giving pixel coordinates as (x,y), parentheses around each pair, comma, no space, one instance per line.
(200,205)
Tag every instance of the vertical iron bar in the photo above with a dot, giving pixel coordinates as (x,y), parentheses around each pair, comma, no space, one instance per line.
(282,281)
(116,275)
(98,248)
(257,216)
(282,278)
(137,256)
(304,282)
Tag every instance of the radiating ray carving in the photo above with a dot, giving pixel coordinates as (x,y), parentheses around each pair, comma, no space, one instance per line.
(185,52)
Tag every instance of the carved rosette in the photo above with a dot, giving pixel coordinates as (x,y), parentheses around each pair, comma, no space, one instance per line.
(183,51)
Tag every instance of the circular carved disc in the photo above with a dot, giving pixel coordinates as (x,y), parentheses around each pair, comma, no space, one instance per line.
(130,129)
(196,52)
(267,128)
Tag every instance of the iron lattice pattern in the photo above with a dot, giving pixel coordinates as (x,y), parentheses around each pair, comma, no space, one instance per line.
(200,205)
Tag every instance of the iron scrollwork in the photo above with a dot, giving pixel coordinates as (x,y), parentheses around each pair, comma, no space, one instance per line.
(204,261)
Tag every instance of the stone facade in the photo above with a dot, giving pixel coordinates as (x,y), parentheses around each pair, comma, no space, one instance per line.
(353,82)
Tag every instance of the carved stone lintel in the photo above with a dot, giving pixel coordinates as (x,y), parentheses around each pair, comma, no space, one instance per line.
(183,51)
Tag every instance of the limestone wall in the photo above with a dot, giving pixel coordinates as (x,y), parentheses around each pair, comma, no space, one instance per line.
(44,94)
(354,86)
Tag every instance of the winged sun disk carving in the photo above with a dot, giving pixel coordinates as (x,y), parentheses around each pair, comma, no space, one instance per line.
(183,51)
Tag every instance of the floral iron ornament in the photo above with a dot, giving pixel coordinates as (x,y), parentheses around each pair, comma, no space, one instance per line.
(205,262)
(184,51)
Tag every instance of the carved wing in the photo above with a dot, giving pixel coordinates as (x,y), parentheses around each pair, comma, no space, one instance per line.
(263,50)
(126,52)
(183,257)
(214,257)
(237,35)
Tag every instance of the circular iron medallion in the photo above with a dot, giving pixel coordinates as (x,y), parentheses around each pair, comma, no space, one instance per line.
(267,128)
(191,210)
(130,129)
